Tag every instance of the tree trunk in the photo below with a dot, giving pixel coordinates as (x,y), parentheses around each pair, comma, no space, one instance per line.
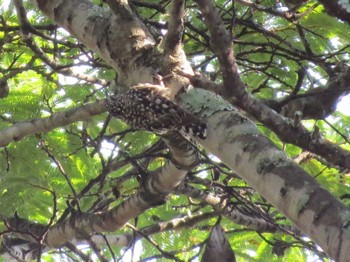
(124,42)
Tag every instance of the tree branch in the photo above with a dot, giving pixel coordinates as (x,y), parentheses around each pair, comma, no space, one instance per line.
(40,125)
(173,38)
(337,8)
(254,157)
(177,223)
(234,91)
(221,44)
(100,30)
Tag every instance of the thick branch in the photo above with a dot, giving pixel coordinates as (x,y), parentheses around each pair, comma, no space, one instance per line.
(319,102)
(154,188)
(235,92)
(174,58)
(239,144)
(100,31)
(153,193)
(337,8)
(286,131)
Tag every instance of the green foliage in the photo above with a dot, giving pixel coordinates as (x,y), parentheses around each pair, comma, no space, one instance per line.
(86,160)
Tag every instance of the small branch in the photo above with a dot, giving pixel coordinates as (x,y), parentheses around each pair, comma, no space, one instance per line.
(176,223)
(27,29)
(59,166)
(222,45)
(77,251)
(338,131)
(304,40)
(172,41)
(254,220)
(40,125)
(155,244)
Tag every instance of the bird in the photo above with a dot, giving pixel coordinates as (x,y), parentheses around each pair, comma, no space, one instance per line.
(147,107)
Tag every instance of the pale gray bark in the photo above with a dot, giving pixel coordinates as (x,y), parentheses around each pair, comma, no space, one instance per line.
(42,125)
(231,137)
(236,141)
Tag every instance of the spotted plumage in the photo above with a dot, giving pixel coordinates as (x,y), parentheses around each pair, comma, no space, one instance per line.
(147,107)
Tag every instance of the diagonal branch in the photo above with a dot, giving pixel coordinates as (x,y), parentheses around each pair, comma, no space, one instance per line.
(238,143)
(176,223)
(40,125)
(221,44)
(173,38)
(337,8)
(174,57)
(154,188)
(234,91)
(286,131)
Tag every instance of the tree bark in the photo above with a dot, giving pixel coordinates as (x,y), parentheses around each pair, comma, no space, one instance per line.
(124,42)
(237,142)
